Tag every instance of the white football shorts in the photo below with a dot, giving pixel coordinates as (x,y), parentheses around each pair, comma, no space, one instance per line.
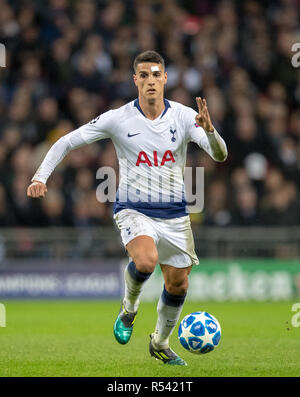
(173,237)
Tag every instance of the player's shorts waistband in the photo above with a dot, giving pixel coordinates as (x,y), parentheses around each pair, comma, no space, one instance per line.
(164,211)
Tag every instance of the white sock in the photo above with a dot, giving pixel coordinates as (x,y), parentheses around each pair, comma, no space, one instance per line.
(168,317)
(134,280)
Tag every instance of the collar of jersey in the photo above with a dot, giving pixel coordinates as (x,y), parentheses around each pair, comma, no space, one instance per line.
(166,102)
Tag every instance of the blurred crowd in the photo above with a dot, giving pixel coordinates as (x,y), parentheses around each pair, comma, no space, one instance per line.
(67,61)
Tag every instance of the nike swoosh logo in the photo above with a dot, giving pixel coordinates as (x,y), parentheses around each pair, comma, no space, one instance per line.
(131,135)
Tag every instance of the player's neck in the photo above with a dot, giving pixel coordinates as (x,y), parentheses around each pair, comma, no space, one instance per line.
(152,108)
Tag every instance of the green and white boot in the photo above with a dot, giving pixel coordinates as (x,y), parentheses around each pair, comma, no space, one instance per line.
(123,325)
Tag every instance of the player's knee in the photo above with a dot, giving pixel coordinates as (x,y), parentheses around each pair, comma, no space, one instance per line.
(177,287)
(146,262)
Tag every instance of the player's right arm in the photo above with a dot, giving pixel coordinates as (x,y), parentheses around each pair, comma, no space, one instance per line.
(36,189)
(96,129)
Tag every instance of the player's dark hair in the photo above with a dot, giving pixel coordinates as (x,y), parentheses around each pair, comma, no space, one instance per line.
(148,56)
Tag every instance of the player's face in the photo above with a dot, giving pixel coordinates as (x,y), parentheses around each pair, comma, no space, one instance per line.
(150,79)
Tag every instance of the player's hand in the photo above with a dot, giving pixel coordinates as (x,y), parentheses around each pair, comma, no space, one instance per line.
(36,189)
(203,117)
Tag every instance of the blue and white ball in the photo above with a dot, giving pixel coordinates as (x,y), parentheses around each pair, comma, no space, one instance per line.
(199,332)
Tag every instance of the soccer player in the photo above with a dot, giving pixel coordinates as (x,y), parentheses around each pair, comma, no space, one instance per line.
(150,135)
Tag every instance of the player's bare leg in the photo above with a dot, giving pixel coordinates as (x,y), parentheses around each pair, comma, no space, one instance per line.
(169,308)
(142,250)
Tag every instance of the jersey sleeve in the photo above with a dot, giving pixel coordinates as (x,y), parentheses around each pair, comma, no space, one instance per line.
(99,128)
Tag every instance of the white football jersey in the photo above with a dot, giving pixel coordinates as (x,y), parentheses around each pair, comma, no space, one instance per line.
(151,154)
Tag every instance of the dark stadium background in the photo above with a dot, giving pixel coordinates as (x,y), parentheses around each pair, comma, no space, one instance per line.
(68,61)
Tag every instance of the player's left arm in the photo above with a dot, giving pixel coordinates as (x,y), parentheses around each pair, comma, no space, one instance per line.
(217,146)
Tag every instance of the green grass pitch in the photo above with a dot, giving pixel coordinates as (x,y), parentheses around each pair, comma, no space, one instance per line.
(75,338)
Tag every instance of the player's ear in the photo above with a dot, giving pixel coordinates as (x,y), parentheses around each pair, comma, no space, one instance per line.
(166,77)
(134,79)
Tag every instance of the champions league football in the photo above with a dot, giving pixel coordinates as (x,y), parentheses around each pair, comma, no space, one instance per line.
(199,332)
